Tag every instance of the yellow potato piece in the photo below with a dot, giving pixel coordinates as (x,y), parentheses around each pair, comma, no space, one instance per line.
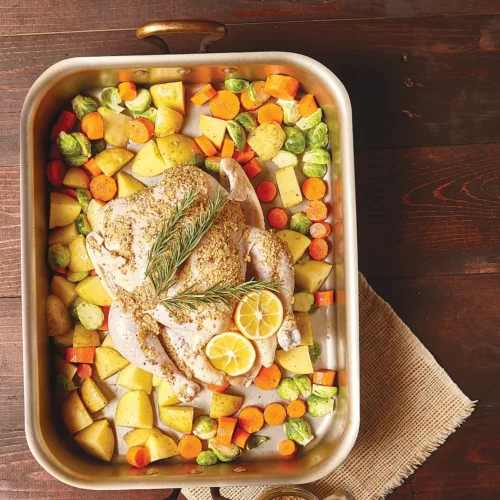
(224,405)
(168,121)
(134,378)
(76,177)
(85,338)
(157,381)
(127,185)
(63,289)
(311,275)
(161,446)
(296,360)
(166,395)
(134,410)
(296,242)
(266,140)
(65,340)
(91,290)
(94,207)
(213,128)
(288,186)
(114,128)
(171,95)
(148,162)
(139,437)
(179,418)
(108,342)
(112,160)
(92,396)
(75,415)
(58,320)
(179,150)
(63,235)
(65,368)
(98,440)
(108,361)
(79,258)
(63,210)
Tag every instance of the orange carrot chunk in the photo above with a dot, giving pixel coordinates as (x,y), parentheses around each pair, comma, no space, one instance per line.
(240,438)
(84,370)
(274,414)
(248,104)
(268,378)
(288,448)
(227,150)
(80,354)
(127,91)
(218,388)
(203,95)
(246,155)
(281,87)
(138,456)
(314,189)
(296,409)
(316,211)
(93,126)
(189,446)
(225,105)
(251,419)
(307,106)
(277,218)
(103,187)
(105,311)
(324,298)
(320,230)
(270,113)
(206,146)
(225,431)
(266,191)
(324,376)
(140,130)
(92,168)
(252,168)
(318,249)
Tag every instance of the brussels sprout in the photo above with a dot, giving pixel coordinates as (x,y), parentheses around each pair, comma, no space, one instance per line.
(77,276)
(256,92)
(287,389)
(247,121)
(286,159)
(310,121)
(85,147)
(314,170)
(90,316)
(254,441)
(300,223)
(58,256)
(298,430)
(313,309)
(303,382)
(237,134)
(150,114)
(111,99)
(319,407)
(205,427)
(83,106)
(97,146)
(236,85)
(291,113)
(64,384)
(72,309)
(68,145)
(84,198)
(317,155)
(295,140)
(206,458)
(213,164)
(140,103)
(317,137)
(323,391)
(76,161)
(315,349)
(302,301)
(224,453)
(82,224)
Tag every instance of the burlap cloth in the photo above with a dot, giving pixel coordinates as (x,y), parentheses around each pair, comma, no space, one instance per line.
(409,406)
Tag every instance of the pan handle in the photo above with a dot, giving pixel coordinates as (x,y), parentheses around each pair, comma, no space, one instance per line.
(148,32)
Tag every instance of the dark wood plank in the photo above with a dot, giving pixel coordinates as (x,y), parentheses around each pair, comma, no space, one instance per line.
(50,16)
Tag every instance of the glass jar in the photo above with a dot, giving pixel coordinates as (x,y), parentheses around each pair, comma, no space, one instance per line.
(287,493)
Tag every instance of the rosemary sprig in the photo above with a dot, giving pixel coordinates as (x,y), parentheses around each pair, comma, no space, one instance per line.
(189,300)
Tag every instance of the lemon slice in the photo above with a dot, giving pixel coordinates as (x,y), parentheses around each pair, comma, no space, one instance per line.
(231,353)
(259,315)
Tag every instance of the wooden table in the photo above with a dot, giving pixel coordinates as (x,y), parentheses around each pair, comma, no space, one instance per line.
(424,81)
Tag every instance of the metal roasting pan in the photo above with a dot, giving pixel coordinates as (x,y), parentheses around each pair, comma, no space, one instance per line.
(337,328)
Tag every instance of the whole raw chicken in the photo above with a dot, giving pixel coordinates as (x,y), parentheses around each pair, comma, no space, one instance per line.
(234,250)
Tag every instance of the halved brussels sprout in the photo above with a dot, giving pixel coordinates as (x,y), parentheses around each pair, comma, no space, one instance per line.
(76,277)
(317,155)
(295,140)
(141,102)
(303,382)
(68,145)
(285,159)
(256,92)
(287,389)
(84,197)
(97,146)
(84,143)
(303,301)
(237,134)
(300,223)
(206,457)
(76,161)
(314,170)
(315,350)
(213,164)
(305,258)
(310,121)
(324,391)
(72,310)
(236,85)
(58,256)
(291,113)
(224,453)
(83,106)
(82,224)
(247,121)
(64,384)
(254,441)
(298,430)
(205,427)
(149,113)
(317,137)
(319,407)
(111,99)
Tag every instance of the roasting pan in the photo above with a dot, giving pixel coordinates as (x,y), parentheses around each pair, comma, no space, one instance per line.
(56,86)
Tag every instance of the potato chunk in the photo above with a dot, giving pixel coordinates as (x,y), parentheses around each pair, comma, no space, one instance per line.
(58,320)
(134,378)
(75,415)
(98,440)
(224,405)
(92,396)
(134,410)
(108,362)
(161,446)
(179,418)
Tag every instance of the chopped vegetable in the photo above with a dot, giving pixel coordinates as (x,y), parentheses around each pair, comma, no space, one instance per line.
(270,113)
(288,186)
(247,104)
(218,388)
(203,95)
(138,456)
(287,389)
(252,168)
(140,130)
(110,98)
(298,430)
(84,371)
(213,164)
(302,301)
(281,86)
(236,84)
(70,192)
(277,218)
(93,126)
(295,141)
(288,448)
(318,249)
(314,189)
(317,155)
(320,230)
(324,377)
(55,172)
(74,145)
(247,154)
(96,147)
(315,351)
(90,315)
(140,103)
(300,223)
(206,457)
(76,177)
(205,427)
(225,105)
(58,256)
(268,378)
(189,446)
(296,409)
(67,119)
(274,414)
(303,382)
(307,106)
(103,188)
(266,191)
(80,354)
(310,121)
(255,441)
(104,326)
(267,139)
(150,113)
(213,128)
(54,153)
(240,438)
(76,277)
(317,137)
(83,106)
(92,167)
(256,92)
(224,453)
(251,419)
(237,134)
(127,91)
(57,128)
(64,384)
(316,211)
(227,150)
(82,224)
(206,146)
(285,159)
(84,197)
(319,407)
(291,113)
(246,120)
(225,431)
(324,298)
(324,391)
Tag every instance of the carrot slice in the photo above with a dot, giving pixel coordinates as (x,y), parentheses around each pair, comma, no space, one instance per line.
(288,448)
(277,218)
(189,446)
(320,230)
(248,104)
(140,130)
(55,171)
(203,95)
(251,419)
(318,249)
(270,113)
(274,414)
(268,378)
(92,168)
(93,126)
(225,431)
(316,211)
(252,168)
(105,311)
(324,298)
(103,187)
(138,456)
(266,191)
(324,376)
(281,87)
(240,438)
(227,150)
(84,370)
(307,106)
(206,146)
(296,409)
(127,91)
(225,105)
(246,155)
(218,388)
(80,354)
(314,189)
